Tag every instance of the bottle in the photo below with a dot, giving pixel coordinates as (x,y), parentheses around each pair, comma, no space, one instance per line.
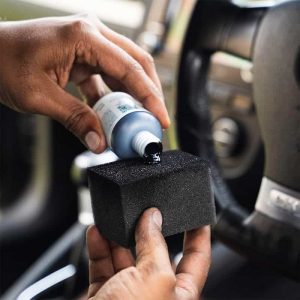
(130,129)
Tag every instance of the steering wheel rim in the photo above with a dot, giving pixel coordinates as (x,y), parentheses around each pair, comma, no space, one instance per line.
(228,27)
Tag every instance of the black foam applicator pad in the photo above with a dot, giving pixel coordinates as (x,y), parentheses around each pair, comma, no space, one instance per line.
(179,186)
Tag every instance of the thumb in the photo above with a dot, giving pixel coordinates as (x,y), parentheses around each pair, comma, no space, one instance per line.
(151,248)
(77,117)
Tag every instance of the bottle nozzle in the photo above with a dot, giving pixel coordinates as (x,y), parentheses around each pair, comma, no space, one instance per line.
(147,145)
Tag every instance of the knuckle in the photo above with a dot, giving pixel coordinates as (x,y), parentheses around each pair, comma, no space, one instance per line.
(142,239)
(131,67)
(75,28)
(133,273)
(149,267)
(76,116)
(155,239)
(147,59)
(134,66)
(78,25)
(130,274)
(145,251)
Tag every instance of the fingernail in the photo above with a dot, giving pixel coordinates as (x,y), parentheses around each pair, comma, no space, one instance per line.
(157,218)
(92,140)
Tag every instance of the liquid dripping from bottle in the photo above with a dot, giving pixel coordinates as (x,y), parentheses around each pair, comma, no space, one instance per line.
(152,159)
(152,154)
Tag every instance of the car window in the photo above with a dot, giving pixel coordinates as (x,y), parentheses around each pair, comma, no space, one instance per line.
(124,12)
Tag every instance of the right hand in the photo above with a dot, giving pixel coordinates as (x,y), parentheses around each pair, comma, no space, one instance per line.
(115,275)
(38,58)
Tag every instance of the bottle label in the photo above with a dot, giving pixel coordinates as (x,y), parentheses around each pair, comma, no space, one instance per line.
(111,109)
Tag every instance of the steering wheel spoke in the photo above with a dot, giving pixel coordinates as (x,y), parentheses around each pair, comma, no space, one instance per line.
(224,26)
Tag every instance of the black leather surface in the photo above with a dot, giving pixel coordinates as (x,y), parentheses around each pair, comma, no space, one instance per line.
(277,92)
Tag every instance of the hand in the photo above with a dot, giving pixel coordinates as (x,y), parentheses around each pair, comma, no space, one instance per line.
(38,58)
(115,275)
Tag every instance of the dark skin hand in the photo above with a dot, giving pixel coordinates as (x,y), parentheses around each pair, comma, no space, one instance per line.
(114,274)
(39,57)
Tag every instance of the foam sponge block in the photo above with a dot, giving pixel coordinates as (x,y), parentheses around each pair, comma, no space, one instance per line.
(180,187)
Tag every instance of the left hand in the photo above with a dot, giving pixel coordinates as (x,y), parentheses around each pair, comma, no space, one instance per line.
(115,275)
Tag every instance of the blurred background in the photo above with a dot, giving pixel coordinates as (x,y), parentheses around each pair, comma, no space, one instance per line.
(39,199)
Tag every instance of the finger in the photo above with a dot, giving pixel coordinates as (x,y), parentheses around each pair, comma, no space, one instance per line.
(115,62)
(93,89)
(196,256)
(151,249)
(100,260)
(90,84)
(75,115)
(121,257)
(140,55)
(113,84)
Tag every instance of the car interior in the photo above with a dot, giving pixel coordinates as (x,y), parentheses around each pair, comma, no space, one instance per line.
(230,72)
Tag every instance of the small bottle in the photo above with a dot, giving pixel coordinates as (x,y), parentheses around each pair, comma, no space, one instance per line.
(130,129)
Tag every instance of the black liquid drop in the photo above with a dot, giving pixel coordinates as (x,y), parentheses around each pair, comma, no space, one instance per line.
(152,159)
(152,153)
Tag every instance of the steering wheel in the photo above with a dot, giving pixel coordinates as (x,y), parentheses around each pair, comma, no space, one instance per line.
(269,36)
